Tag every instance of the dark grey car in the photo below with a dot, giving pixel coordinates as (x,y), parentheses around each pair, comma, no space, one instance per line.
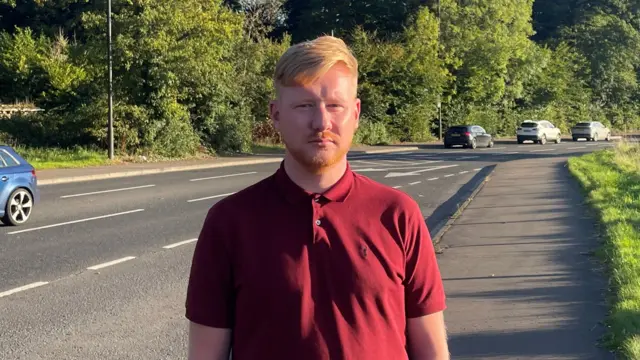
(470,136)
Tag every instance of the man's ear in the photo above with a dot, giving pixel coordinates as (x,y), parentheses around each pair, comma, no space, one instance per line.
(274,113)
(357,112)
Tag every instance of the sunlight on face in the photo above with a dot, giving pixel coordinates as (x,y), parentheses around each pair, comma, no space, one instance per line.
(317,121)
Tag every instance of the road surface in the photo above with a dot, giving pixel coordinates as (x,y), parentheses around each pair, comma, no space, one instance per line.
(100,271)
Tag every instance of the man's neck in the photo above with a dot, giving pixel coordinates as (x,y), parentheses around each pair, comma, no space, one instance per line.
(315,183)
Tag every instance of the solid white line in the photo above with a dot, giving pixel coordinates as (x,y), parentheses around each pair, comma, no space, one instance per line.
(592,144)
(110,263)
(432,179)
(179,244)
(23,288)
(76,221)
(107,191)
(578,147)
(223,176)
(467,157)
(211,197)
(487,149)
(449,175)
(415,183)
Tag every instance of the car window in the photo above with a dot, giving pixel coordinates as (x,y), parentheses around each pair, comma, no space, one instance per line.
(528,125)
(583,124)
(8,159)
(481,129)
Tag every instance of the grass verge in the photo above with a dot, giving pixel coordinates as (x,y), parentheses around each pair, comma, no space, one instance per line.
(55,158)
(611,179)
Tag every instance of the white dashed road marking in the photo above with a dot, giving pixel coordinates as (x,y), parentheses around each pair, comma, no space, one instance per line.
(107,191)
(23,288)
(111,263)
(449,175)
(432,179)
(542,150)
(211,197)
(224,176)
(415,183)
(76,221)
(180,244)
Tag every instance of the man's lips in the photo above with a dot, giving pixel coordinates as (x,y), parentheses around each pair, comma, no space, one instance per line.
(322,141)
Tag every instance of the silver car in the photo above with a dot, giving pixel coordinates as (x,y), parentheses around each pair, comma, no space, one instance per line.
(591,131)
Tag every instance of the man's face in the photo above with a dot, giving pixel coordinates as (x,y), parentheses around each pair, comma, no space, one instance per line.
(317,121)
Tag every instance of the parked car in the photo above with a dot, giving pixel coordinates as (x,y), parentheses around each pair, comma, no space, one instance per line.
(470,136)
(538,131)
(18,187)
(590,130)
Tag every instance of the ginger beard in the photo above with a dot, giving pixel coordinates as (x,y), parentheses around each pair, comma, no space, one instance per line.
(322,151)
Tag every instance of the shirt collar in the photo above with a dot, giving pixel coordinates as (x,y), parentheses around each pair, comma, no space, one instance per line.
(339,192)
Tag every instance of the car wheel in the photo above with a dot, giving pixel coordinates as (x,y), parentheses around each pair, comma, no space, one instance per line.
(473,144)
(19,207)
(595,137)
(543,140)
(558,139)
(490,144)
(608,138)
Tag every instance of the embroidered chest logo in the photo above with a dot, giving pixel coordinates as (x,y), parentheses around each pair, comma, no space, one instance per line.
(364,251)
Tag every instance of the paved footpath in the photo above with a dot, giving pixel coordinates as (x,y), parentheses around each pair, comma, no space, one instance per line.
(518,276)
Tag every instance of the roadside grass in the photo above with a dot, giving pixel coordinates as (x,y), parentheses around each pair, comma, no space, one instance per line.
(55,158)
(611,179)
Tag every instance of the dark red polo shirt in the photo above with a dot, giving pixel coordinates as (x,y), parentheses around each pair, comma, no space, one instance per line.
(304,276)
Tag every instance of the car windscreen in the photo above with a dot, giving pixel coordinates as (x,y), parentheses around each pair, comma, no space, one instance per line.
(583,124)
(529,125)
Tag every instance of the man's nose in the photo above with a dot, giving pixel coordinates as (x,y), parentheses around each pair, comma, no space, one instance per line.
(322,119)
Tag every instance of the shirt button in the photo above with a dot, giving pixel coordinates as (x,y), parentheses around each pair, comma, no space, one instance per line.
(318,222)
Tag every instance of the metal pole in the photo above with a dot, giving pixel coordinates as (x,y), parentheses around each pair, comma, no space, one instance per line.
(440,119)
(110,131)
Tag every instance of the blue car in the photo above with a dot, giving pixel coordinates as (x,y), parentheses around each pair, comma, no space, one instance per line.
(18,187)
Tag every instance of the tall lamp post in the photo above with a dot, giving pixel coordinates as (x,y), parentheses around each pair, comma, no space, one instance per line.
(110,123)
(440,118)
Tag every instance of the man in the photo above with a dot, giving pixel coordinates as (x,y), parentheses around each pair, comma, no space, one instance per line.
(316,261)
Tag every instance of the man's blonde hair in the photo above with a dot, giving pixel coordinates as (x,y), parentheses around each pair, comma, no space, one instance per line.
(304,62)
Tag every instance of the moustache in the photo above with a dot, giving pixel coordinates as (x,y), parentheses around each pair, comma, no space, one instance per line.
(325,135)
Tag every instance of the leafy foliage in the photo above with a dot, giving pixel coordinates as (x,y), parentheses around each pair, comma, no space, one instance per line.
(196,74)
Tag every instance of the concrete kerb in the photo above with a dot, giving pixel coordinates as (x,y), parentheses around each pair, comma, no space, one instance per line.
(159,170)
(461,200)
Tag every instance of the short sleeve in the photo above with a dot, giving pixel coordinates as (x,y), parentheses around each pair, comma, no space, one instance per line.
(424,290)
(210,296)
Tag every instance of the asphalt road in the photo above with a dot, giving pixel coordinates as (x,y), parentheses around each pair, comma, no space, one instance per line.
(61,298)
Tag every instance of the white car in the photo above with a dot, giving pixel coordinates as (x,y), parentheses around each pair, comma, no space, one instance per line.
(590,130)
(538,131)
